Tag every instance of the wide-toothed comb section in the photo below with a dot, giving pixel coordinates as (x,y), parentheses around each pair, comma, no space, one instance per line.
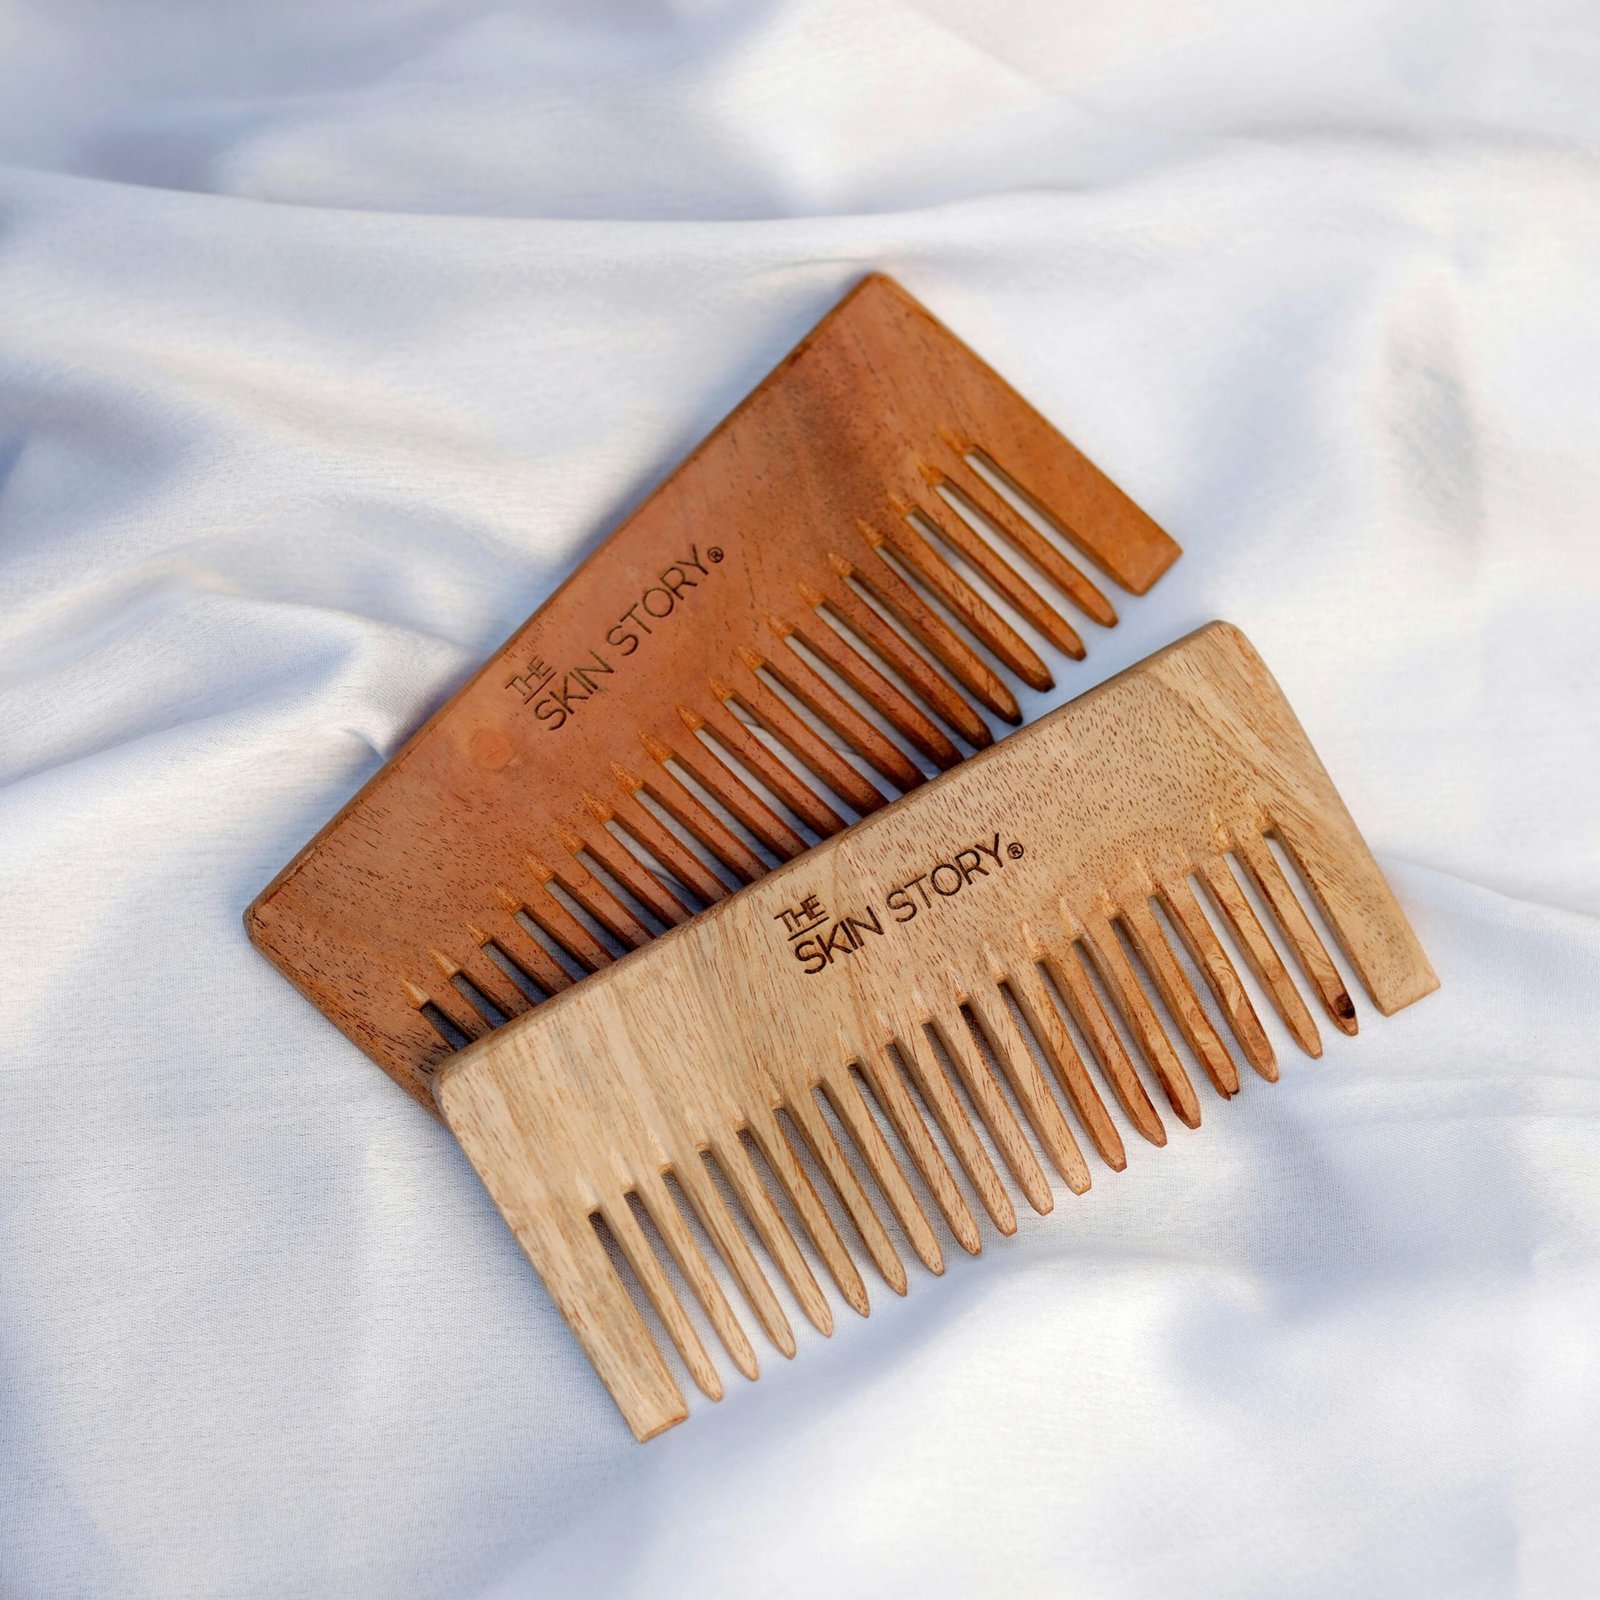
(815,612)
(930,1015)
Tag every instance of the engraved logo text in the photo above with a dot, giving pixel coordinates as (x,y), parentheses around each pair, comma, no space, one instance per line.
(817,938)
(556,692)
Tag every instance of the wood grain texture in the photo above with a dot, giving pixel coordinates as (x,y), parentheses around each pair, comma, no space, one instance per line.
(538,814)
(1030,875)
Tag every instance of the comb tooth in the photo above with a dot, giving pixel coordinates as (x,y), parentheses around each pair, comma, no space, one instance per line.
(913,723)
(955,530)
(735,1251)
(1182,1002)
(596,898)
(825,1149)
(527,952)
(681,801)
(998,1117)
(890,590)
(563,927)
(630,871)
(1027,1083)
(1042,1017)
(1208,954)
(757,701)
(1027,539)
(936,1091)
(647,1269)
(780,1156)
(1092,513)
(803,801)
(913,1133)
(1309,949)
(1123,985)
(751,810)
(669,850)
(1084,1004)
(773,1231)
(997,635)
(657,1200)
(480,970)
(1260,953)
(853,1112)
(873,631)
(798,676)
(454,1005)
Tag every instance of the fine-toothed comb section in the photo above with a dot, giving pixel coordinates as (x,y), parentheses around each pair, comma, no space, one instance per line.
(809,615)
(883,1013)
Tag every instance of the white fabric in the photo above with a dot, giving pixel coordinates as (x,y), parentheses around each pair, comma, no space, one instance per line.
(331,336)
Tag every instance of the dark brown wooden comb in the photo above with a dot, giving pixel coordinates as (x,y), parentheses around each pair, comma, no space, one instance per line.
(670,722)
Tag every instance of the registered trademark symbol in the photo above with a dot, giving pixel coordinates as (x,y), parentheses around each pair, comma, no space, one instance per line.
(1014,851)
(714,554)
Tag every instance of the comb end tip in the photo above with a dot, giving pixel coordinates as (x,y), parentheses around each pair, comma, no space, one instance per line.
(1159,552)
(1421,982)
(646,1429)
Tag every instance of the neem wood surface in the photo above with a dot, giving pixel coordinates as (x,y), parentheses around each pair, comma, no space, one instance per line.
(1008,894)
(480,870)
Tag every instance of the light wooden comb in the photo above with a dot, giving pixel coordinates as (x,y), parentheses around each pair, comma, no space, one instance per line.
(940,932)
(610,769)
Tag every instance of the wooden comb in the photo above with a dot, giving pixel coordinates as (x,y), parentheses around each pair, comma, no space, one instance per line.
(797,1018)
(660,722)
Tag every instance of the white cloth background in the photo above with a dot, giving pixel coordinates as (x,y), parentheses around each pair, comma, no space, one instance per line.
(331,335)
